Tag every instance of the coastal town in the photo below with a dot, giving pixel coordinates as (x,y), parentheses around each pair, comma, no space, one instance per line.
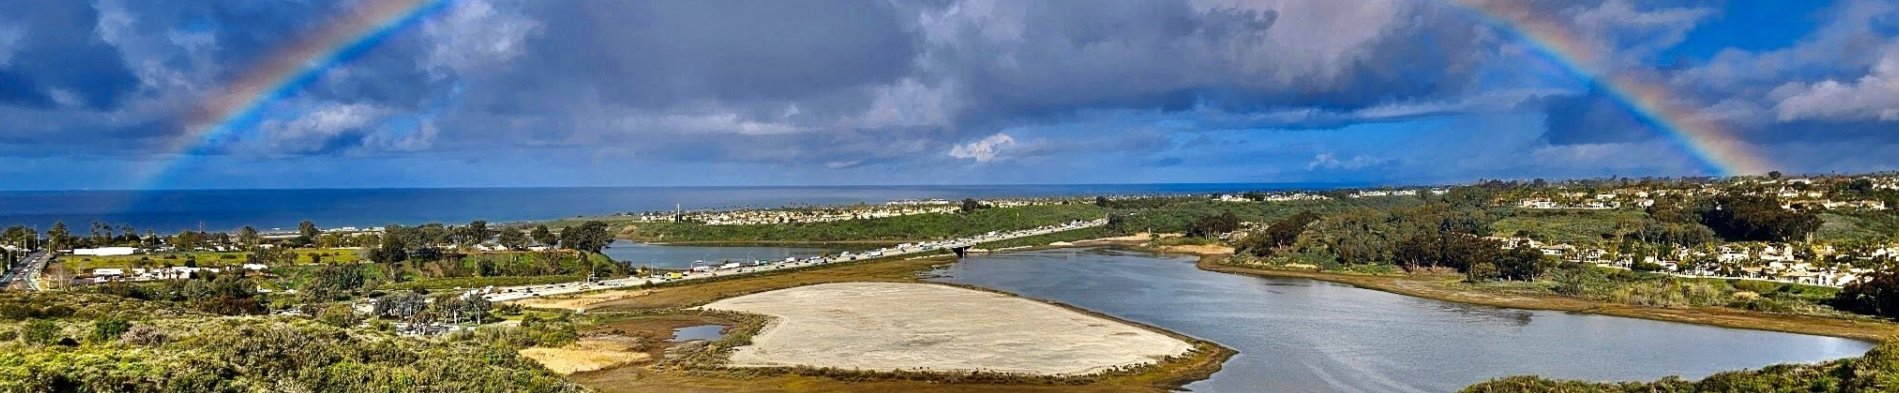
(1756,243)
(816,214)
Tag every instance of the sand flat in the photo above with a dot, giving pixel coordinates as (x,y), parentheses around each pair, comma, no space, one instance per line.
(901,326)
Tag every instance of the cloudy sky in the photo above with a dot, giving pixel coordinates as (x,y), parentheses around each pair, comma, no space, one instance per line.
(110,94)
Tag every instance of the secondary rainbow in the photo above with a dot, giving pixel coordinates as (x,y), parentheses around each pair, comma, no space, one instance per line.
(285,71)
(1711,143)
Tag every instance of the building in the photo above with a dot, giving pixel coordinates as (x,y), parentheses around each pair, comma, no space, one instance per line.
(105,251)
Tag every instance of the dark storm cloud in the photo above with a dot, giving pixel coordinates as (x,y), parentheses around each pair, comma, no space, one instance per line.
(1079,55)
(58,60)
(656,54)
(902,85)
(1591,118)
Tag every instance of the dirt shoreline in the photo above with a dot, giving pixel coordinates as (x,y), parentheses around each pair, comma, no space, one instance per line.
(936,328)
(1199,364)
(1434,288)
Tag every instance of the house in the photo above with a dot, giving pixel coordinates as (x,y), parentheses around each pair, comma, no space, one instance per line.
(1538,203)
(105,251)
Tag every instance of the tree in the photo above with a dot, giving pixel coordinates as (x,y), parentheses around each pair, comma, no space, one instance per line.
(1773,175)
(1101,201)
(16,235)
(187,240)
(1213,225)
(307,233)
(59,236)
(1280,233)
(590,236)
(1753,218)
(544,236)
(248,237)
(128,234)
(101,234)
(513,239)
(970,205)
(1117,223)
(1522,263)
(402,306)
(475,233)
(1875,294)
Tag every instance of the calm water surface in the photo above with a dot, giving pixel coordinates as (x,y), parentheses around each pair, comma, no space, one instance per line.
(218,210)
(700,332)
(1297,335)
(681,257)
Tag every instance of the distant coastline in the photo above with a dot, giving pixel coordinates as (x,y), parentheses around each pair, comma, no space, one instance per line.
(169,211)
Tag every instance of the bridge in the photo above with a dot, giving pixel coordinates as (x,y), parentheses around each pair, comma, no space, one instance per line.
(961,249)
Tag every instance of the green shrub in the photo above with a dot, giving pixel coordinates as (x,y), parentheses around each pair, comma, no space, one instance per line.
(39,332)
(1756,286)
(109,329)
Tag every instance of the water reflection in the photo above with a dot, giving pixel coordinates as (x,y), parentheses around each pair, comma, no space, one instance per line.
(1297,335)
(681,257)
(699,332)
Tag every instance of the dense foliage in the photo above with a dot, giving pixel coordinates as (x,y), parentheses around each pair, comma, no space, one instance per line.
(1742,218)
(1876,294)
(1875,372)
(131,345)
(1279,234)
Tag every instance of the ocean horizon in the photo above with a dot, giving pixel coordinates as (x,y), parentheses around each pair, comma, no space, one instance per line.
(170,211)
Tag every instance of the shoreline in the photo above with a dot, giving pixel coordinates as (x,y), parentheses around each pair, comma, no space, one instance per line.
(1431,288)
(1206,359)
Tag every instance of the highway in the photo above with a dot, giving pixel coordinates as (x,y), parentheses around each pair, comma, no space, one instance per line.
(26,274)
(530,291)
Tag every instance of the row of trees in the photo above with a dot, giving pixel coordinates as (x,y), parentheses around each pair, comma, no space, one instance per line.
(419,308)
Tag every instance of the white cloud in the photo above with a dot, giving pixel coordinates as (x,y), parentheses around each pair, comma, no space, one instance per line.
(1874,96)
(705,123)
(985,150)
(312,131)
(1633,35)
(10,36)
(474,35)
(1332,162)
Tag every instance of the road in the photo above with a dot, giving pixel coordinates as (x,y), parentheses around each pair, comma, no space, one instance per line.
(530,291)
(26,275)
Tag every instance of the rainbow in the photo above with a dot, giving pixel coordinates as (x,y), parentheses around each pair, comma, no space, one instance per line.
(241,102)
(1711,143)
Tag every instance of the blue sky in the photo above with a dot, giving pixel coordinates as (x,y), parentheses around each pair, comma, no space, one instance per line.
(595,93)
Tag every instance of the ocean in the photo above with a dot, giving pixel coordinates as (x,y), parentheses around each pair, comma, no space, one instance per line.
(170,211)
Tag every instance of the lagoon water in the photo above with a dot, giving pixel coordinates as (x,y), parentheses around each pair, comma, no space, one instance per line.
(1298,335)
(681,257)
(169,211)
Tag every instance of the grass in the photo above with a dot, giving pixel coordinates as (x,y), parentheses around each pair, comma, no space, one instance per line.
(202,258)
(480,282)
(1569,226)
(1858,227)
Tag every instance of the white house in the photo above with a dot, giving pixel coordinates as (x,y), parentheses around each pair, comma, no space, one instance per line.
(105,251)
